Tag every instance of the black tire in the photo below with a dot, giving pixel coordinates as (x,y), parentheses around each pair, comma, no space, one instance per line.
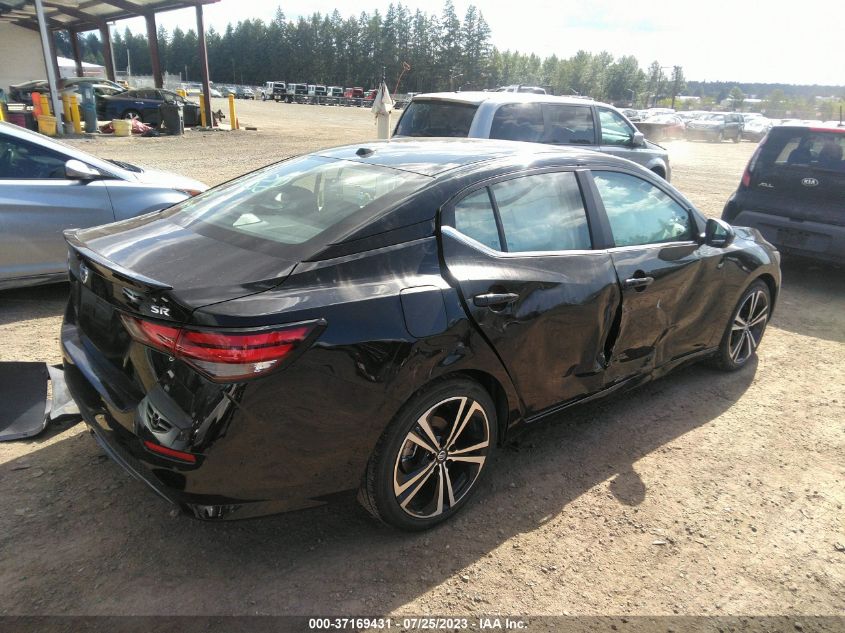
(719,138)
(414,487)
(739,344)
(738,137)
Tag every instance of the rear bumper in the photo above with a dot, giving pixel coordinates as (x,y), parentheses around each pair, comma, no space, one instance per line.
(210,489)
(814,240)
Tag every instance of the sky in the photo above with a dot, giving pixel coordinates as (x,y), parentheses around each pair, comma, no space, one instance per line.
(769,41)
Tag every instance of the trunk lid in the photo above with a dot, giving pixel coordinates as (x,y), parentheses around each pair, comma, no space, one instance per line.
(157,270)
(149,263)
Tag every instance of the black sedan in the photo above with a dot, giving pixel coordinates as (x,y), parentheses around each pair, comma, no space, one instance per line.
(143,104)
(381,317)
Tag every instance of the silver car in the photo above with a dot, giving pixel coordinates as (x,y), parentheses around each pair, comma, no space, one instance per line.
(47,187)
(537,118)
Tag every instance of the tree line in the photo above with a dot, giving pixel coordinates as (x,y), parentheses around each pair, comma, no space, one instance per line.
(444,52)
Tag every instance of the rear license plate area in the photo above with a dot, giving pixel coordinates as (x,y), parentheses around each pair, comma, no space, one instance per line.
(791,237)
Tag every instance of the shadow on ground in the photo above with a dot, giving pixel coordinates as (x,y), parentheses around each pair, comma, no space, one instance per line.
(35,302)
(114,547)
(812,299)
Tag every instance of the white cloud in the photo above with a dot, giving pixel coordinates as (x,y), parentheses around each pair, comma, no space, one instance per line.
(712,40)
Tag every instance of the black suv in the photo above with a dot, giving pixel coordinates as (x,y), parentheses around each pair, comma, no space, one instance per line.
(793,192)
(716,126)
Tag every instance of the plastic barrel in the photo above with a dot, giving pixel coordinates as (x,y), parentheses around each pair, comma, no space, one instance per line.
(47,124)
(122,127)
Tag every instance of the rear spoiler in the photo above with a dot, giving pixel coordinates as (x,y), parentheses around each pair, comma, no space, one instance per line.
(108,268)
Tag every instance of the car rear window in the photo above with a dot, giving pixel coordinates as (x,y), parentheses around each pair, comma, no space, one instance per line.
(805,147)
(436,118)
(296,201)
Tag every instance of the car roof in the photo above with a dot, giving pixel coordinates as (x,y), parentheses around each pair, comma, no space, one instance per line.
(435,156)
(479,97)
(815,127)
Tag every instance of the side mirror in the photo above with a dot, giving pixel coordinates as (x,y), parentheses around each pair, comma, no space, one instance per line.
(718,233)
(77,170)
(638,139)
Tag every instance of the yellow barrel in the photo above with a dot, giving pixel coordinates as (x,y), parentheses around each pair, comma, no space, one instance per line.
(45,105)
(47,124)
(122,127)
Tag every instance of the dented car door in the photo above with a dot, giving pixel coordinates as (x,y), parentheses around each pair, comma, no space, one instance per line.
(666,275)
(520,253)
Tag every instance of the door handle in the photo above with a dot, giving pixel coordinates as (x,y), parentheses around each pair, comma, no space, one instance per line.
(494,299)
(638,283)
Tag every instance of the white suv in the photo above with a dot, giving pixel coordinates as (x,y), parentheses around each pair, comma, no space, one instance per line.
(517,116)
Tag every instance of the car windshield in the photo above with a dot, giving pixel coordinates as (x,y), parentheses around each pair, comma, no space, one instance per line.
(297,200)
(713,117)
(436,118)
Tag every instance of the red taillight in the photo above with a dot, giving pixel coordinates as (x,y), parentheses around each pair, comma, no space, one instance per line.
(239,348)
(162,337)
(746,175)
(170,452)
(224,356)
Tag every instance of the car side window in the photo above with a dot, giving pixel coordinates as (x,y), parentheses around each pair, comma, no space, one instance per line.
(640,212)
(518,122)
(20,160)
(615,130)
(542,212)
(569,124)
(474,217)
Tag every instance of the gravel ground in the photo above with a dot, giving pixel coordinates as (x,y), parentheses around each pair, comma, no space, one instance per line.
(700,494)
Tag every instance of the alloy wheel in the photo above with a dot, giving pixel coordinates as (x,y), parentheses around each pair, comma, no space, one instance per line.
(441,457)
(748,326)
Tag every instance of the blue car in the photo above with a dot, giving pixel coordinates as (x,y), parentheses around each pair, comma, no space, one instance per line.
(143,104)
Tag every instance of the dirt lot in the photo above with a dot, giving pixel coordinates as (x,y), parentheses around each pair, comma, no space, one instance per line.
(702,493)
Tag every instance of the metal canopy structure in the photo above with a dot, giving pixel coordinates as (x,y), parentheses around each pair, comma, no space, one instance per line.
(79,16)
